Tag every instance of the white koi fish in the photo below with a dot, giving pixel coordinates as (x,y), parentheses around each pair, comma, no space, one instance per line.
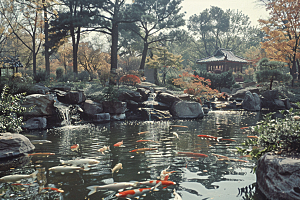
(17,177)
(116,168)
(176,134)
(65,169)
(176,195)
(136,192)
(103,149)
(113,186)
(40,141)
(80,162)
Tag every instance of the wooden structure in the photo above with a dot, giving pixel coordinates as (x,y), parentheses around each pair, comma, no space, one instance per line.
(10,62)
(223,60)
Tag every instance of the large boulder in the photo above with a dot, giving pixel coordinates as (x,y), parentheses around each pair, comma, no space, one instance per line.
(12,144)
(35,123)
(91,107)
(111,107)
(251,102)
(144,92)
(130,95)
(186,110)
(167,98)
(72,97)
(278,177)
(270,95)
(240,94)
(61,88)
(40,89)
(43,105)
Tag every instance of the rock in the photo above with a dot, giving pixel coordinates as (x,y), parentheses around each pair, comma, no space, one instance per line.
(72,97)
(295,106)
(274,104)
(205,110)
(156,105)
(118,107)
(146,85)
(35,123)
(118,116)
(279,104)
(253,83)
(102,117)
(270,95)
(185,97)
(43,105)
(167,98)
(61,88)
(287,104)
(144,92)
(251,102)
(153,114)
(226,90)
(278,178)
(40,89)
(12,144)
(91,108)
(130,95)
(14,162)
(241,93)
(132,105)
(186,110)
(161,89)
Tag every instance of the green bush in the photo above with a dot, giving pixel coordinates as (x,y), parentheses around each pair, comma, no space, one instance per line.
(10,108)
(218,81)
(59,73)
(83,76)
(40,76)
(236,85)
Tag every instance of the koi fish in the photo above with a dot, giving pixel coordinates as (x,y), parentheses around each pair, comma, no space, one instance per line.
(252,136)
(17,177)
(116,168)
(143,150)
(118,144)
(179,126)
(103,149)
(231,140)
(136,192)
(40,154)
(54,189)
(114,186)
(66,169)
(191,154)
(244,127)
(80,162)
(155,182)
(208,136)
(238,160)
(176,195)
(245,156)
(140,133)
(74,147)
(176,134)
(40,141)
(147,141)
(220,156)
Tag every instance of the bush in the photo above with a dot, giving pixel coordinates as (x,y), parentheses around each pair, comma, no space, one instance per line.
(40,76)
(236,85)
(83,76)
(130,79)
(10,108)
(218,81)
(59,73)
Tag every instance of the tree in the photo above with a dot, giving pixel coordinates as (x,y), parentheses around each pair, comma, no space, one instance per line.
(165,61)
(158,18)
(283,33)
(271,71)
(214,28)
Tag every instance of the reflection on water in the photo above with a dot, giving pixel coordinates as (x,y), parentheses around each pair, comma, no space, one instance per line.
(197,177)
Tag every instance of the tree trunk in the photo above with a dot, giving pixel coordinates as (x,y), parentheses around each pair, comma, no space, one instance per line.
(271,83)
(46,31)
(33,56)
(114,53)
(156,79)
(298,69)
(144,54)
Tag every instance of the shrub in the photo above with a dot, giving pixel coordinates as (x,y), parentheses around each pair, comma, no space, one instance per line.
(59,73)
(236,85)
(218,81)
(10,108)
(83,76)
(130,79)
(40,76)
(110,94)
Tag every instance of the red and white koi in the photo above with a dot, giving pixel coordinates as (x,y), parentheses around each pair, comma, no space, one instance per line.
(114,186)
(118,144)
(136,192)
(74,147)
(103,149)
(155,182)
(140,133)
(80,162)
(54,189)
(208,137)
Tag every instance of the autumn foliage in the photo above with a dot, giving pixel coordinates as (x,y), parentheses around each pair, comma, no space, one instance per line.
(197,86)
(130,79)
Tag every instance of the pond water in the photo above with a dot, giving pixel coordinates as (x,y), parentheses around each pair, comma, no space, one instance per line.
(196,178)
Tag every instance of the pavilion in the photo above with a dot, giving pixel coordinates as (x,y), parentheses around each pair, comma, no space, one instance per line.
(223,60)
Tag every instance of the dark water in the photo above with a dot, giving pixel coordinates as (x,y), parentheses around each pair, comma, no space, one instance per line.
(196,178)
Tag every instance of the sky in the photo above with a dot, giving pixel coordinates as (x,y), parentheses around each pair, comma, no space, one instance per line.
(248,7)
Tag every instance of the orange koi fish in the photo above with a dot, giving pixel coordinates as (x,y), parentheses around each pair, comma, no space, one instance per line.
(118,144)
(40,154)
(220,156)
(191,154)
(238,160)
(179,126)
(231,140)
(54,189)
(252,136)
(75,147)
(244,127)
(143,149)
(136,192)
(140,133)
(245,156)
(208,136)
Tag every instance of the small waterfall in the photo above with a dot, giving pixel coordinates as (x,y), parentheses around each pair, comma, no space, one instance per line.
(66,116)
(150,102)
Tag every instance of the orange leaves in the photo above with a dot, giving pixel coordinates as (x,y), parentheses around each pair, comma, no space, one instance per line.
(130,79)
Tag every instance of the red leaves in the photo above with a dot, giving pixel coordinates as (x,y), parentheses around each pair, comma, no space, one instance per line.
(130,79)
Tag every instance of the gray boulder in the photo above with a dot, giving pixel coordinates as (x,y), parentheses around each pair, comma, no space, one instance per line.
(167,98)
(251,102)
(102,117)
(61,88)
(40,89)
(130,95)
(186,110)
(270,95)
(241,93)
(144,92)
(35,123)
(12,144)
(91,108)
(278,178)
(72,97)
(43,105)
(118,107)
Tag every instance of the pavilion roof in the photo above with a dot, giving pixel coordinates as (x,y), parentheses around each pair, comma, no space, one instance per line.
(222,55)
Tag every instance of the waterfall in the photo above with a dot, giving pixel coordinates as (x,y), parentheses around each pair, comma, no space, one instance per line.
(150,102)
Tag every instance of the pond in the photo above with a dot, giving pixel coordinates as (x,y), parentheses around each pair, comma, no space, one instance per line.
(211,177)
